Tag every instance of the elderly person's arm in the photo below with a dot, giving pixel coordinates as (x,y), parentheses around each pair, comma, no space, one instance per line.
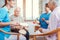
(52,24)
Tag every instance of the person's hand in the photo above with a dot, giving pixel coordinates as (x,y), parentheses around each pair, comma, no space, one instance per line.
(14,23)
(17,27)
(40,29)
(25,28)
(43,19)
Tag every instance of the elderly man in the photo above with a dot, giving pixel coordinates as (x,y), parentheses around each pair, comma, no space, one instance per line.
(54,21)
(17,18)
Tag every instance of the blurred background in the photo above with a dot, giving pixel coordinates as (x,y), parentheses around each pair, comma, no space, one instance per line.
(30,9)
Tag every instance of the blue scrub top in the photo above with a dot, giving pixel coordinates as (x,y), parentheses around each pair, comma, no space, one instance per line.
(43,23)
(4,17)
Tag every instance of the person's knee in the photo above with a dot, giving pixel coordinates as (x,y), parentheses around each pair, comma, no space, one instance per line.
(22,37)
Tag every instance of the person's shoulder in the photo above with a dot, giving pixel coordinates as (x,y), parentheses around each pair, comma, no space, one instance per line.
(43,14)
(2,10)
(57,8)
(20,17)
(12,16)
(49,13)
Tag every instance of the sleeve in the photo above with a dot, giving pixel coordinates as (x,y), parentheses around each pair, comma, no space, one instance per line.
(47,21)
(2,15)
(52,23)
(7,19)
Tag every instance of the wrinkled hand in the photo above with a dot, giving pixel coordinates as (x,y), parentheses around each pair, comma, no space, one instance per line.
(40,29)
(17,27)
(43,19)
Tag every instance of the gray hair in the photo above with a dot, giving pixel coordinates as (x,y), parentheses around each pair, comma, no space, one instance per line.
(54,2)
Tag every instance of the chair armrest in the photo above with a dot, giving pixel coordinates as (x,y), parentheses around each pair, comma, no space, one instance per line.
(48,33)
(12,33)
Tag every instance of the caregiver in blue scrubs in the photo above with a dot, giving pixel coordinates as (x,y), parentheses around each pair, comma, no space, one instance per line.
(4,18)
(44,18)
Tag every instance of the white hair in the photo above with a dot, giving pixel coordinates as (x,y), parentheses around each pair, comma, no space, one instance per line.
(54,2)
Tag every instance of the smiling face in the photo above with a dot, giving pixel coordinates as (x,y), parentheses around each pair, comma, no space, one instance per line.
(47,9)
(11,3)
(17,12)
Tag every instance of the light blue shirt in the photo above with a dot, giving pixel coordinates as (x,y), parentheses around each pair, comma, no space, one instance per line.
(4,17)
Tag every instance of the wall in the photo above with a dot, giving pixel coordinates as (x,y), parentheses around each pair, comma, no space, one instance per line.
(1,3)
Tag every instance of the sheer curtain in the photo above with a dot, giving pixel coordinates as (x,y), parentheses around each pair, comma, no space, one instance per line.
(32,9)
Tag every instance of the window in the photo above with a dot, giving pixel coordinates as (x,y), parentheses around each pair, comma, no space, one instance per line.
(29,8)
(35,9)
(32,9)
